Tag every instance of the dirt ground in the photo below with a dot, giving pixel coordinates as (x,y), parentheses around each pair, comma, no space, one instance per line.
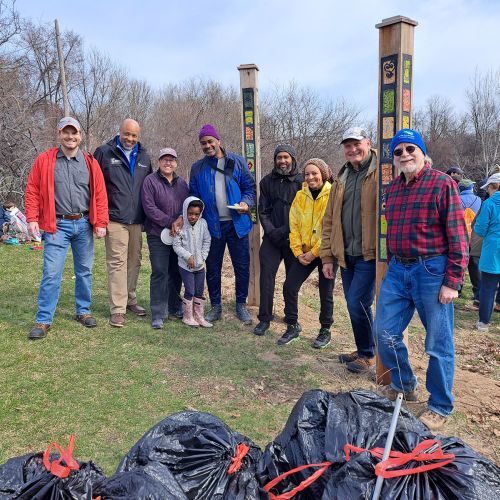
(476,418)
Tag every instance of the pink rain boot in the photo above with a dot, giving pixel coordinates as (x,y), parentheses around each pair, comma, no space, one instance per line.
(187,309)
(199,313)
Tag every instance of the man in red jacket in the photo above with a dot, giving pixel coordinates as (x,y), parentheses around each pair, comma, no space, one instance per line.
(66,198)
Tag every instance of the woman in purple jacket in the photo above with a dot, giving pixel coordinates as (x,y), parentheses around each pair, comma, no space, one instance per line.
(163,193)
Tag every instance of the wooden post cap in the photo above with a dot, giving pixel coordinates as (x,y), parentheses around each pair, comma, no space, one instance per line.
(396,20)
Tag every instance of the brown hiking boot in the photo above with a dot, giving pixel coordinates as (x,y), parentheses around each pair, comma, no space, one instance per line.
(432,420)
(136,309)
(117,319)
(348,358)
(388,392)
(38,332)
(86,320)
(361,365)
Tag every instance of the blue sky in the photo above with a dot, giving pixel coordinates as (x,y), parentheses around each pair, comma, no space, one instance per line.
(328,45)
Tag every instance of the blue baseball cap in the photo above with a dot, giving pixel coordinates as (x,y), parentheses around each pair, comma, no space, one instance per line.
(410,136)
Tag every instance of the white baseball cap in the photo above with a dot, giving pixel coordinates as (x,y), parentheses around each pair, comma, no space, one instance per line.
(356,133)
(492,179)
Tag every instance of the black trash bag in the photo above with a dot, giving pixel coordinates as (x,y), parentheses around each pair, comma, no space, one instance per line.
(363,418)
(26,478)
(153,482)
(198,449)
(301,442)
(469,476)
(319,427)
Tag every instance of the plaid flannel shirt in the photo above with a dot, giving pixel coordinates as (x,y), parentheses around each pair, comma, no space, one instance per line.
(426,218)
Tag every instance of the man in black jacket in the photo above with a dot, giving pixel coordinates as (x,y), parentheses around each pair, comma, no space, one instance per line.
(125,164)
(277,191)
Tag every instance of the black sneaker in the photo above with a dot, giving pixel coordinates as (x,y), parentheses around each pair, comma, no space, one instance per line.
(291,334)
(261,328)
(323,339)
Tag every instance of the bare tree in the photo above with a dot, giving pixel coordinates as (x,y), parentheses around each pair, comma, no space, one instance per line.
(98,96)
(484,110)
(178,112)
(436,122)
(40,61)
(298,116)
(9,21)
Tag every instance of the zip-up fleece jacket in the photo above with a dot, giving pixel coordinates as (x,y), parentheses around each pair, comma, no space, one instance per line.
(332,240)
(40,200)
(488,226)
(162,201)
(240,186)
(469,199)
(124,191)
(192,240)
(306,220)
(277,193)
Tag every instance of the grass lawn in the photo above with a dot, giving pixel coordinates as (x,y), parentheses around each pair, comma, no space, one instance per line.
(108,385)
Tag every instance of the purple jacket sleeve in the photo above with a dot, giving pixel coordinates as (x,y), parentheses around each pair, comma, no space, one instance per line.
(150,207)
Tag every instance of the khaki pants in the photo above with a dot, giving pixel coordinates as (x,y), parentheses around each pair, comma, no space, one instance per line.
(123,260)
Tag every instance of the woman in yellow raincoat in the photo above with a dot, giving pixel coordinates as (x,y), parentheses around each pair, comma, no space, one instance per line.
(306,220)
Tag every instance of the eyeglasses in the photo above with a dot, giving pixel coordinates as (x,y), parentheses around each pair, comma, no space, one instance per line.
(168,160)
(409,150)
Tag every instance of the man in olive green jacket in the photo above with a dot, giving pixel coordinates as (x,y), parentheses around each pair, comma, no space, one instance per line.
(349,239)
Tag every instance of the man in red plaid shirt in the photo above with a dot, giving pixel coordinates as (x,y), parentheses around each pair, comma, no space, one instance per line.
(427,254)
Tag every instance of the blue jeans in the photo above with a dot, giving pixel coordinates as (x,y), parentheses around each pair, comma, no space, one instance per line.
(487,290)
(240,258)
(78,234)
(358,281)
(406,287)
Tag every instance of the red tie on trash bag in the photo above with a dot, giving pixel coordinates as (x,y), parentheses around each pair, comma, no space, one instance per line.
(65,455)
(396,458)
(302,486)
(241,451)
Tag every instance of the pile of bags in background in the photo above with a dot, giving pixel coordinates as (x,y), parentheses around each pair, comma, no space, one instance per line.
(329,449)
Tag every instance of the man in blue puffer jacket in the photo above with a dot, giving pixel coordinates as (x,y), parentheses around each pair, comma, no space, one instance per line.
(224,183)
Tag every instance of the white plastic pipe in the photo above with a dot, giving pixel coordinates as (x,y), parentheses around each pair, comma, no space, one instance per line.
(388,443)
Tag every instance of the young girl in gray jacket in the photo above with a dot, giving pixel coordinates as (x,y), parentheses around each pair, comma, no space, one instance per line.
(192,245)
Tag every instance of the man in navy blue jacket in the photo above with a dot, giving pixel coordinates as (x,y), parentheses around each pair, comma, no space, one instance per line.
(125,164)
(224,183)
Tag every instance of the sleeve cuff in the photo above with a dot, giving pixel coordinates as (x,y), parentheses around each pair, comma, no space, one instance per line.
(452,283)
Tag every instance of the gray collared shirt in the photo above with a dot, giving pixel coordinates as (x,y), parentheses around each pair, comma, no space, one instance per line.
(71,184)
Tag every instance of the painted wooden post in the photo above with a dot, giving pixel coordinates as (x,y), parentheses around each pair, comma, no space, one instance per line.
(251,152)
(394,113)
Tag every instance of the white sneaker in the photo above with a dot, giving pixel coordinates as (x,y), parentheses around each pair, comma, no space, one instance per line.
(482,327)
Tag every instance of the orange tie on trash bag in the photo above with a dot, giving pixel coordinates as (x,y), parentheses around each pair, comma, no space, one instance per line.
(65,455)
(396,458)
(241,451)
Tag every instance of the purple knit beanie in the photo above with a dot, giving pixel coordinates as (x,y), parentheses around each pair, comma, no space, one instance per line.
(208,129)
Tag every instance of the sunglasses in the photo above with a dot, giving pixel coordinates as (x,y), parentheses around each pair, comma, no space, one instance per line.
(409,150)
